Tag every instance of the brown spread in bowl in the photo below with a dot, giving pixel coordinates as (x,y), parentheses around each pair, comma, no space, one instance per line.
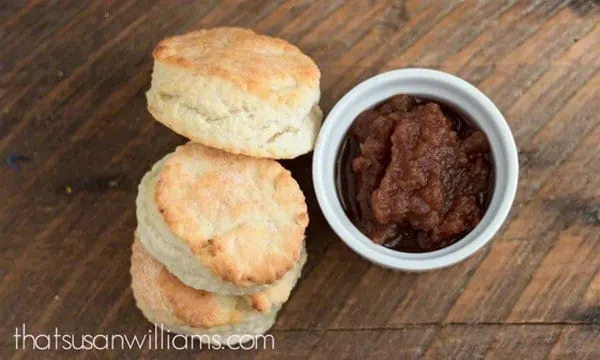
(413,175)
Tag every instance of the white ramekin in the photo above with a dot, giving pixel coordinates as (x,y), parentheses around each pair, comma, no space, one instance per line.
(447,89)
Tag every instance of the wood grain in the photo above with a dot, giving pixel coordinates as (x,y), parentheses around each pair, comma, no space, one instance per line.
(72,102)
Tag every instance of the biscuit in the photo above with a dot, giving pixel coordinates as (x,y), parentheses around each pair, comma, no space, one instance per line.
(224,223)
(165,300)
(235,90)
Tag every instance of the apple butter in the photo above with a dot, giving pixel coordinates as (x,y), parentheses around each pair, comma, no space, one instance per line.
(414,175)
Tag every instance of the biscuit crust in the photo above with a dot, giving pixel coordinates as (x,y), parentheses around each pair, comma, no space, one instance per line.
(221,222)
(238,91)
(267,67)
(165,300)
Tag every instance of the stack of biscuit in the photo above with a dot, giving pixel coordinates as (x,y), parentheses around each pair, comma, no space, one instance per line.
(220,238)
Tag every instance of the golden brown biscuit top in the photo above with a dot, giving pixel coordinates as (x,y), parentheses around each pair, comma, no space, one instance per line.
(267,67)
(243,217)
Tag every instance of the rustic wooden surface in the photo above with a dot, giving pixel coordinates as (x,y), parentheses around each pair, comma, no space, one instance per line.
(73,77)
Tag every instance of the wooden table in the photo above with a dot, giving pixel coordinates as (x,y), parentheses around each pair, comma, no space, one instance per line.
(76,138)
